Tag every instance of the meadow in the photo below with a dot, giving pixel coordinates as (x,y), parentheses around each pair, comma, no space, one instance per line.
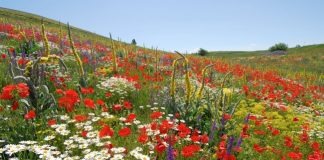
(70,94)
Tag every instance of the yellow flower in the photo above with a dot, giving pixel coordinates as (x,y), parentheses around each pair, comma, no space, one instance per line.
(45,40)
(43,60)
(228,92)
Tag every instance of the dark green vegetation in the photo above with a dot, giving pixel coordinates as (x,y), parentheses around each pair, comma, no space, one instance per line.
(278,47)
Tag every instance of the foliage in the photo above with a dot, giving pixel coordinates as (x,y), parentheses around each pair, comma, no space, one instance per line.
(202,52)
(279,47)
(134,42)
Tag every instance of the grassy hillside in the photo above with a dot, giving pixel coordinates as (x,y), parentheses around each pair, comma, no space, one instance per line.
(306,61)
(17,17)
(307,50)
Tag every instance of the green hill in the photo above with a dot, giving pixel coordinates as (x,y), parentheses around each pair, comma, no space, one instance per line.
(306,50)
(28,20)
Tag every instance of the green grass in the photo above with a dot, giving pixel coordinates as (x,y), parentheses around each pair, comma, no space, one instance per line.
(15,17)
(305,50)
(300,63)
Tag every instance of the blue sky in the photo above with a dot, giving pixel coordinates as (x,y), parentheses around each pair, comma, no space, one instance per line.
(185,25)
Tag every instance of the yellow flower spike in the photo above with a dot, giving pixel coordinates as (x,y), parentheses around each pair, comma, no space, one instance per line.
(228,93)
(34,35)
(76,56)
(156,60)
(173,85)
(45,41)
(43,60)
(23,34)
(113,54)
(28,68)
(187,78)
(200,91)
(61,33)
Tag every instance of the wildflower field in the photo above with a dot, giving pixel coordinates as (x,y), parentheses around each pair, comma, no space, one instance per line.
(68,94)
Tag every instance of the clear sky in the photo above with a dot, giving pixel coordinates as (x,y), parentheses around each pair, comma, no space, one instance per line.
(185,25)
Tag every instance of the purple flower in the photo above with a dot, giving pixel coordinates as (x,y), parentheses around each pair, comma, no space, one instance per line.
(230,145)
(170,151)
(212,131)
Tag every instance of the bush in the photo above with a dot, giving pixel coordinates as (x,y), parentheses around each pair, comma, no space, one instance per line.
(278,47)
(202,52)
(134,42)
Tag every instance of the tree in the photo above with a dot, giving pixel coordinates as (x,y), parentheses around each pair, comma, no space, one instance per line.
(134,42)
(298,46)
(278,47)
(202,52)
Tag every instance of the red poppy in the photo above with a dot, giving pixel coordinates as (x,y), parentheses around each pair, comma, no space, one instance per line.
(315,145)
(30,115)
(100,102)
(89,103)
(304,137)
(143,138)
(164,127)
(154,126)
(51,122)
(295,155)
(85,60)
(195,138)
(189,151)
(156,115)
(108,94)
(295,119)
(7,92)
(127,105)
(237,149)
(67,103)
(246,89)
(183,130)
(69,99)
(80,118)
(275,132)
(106,131)
(124,132)
(3,56)
(177,115)
(117,107)
(227,116)
(84,133)
(259,148)
(204,138)
(22,61)
(104,109)
(130,117)
(138,86)
(87,90)
(259,132)
(160,148)
(23,90)
(15,105)
(59,91)
(251,117)
(288,142)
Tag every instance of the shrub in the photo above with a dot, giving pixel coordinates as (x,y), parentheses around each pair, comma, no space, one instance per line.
(202,52)
(134,42)
(278,47)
